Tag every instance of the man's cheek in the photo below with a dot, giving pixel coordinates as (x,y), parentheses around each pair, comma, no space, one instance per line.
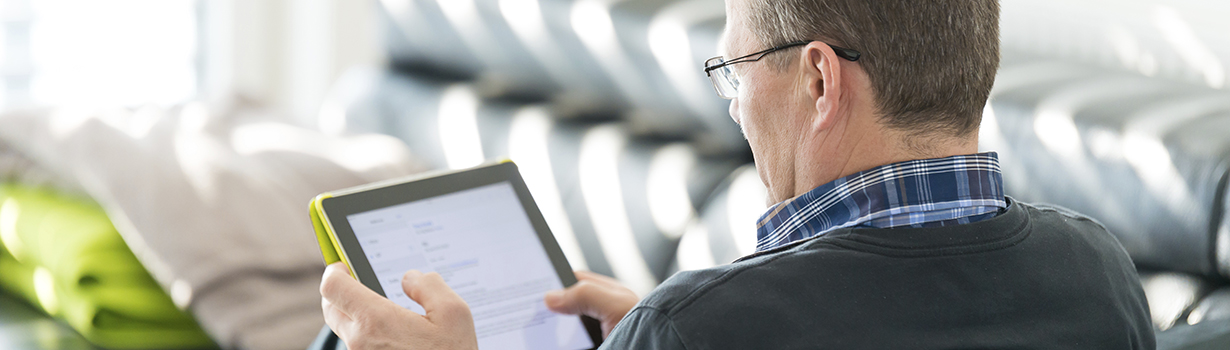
(734,111)
(751,131)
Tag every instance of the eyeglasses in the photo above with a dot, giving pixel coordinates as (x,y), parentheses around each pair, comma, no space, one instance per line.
(726,81)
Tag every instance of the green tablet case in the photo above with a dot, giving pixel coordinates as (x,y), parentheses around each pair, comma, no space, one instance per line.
(329,247)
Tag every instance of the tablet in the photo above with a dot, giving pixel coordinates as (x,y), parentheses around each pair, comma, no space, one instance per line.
(480,230)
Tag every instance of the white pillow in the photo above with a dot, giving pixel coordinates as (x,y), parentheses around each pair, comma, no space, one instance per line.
(214,202)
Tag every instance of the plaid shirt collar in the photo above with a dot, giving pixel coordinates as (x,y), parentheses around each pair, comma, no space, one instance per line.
(917,193)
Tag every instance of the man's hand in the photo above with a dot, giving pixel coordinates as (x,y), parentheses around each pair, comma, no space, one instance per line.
(366,320)
(594,295)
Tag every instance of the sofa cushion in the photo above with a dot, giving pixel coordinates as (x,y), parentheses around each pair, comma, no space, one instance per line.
(211,200)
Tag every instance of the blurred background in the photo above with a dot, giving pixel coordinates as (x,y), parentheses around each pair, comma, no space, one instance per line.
(156,156)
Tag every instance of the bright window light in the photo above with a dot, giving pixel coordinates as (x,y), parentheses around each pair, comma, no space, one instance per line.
(458,123)
(599,165)
(694,251)
(528,146)
(667,189)
(116,52)
(744,204)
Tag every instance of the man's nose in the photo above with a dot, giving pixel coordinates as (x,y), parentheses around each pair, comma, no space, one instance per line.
(734,110)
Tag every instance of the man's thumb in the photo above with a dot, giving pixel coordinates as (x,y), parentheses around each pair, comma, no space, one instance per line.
(430,291)
(556,303)
(581,298)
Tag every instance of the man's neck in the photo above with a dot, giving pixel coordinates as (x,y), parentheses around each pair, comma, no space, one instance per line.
(873,148)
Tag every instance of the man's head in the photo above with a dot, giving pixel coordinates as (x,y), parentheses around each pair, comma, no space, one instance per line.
(917,91)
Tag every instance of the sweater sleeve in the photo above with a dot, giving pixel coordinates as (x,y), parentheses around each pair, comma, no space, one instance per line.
(644,328)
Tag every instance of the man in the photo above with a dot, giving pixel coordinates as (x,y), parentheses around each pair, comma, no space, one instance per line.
(890,231)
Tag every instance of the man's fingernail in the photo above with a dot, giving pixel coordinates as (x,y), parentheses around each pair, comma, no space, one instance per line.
(415,274)
(553,297)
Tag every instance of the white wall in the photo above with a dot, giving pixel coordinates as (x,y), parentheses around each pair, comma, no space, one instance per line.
(285,54)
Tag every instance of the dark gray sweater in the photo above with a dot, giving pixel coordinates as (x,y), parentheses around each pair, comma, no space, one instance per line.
(1030,278)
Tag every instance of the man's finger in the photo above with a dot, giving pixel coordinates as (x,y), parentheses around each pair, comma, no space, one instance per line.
(441,302)
(586,297)
(338,321)
(348,295)
(600,279)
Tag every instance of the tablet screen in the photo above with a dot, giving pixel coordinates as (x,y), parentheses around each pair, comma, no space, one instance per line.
(481,241)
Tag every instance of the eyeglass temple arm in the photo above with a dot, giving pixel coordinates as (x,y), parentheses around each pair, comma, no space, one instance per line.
(848,54)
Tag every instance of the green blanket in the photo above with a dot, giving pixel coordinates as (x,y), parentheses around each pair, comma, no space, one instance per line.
(62,254)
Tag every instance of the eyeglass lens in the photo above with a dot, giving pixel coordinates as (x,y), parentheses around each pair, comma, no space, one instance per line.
(725,81)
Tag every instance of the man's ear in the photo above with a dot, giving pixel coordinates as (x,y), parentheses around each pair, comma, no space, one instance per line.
(822,73)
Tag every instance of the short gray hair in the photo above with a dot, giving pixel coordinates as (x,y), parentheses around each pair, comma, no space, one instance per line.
(931,62)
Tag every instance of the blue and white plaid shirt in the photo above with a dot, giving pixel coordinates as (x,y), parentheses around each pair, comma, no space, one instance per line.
(917,193)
